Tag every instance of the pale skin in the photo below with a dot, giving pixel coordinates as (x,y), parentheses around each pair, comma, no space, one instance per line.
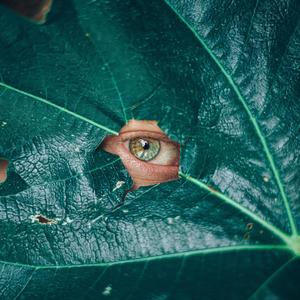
(163,168)
(34,10)
(3,170)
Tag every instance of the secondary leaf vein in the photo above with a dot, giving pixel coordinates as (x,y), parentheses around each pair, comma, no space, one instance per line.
(117,90)
(270,278)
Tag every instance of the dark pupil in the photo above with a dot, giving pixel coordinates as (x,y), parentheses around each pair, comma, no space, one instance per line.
(146,146)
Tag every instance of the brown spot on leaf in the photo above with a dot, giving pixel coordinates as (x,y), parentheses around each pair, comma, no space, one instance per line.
(3,169)
(249,226)
(36,10)
(42,219)
(246,236)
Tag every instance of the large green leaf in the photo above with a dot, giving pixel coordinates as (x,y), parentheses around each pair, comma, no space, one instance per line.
(222,78)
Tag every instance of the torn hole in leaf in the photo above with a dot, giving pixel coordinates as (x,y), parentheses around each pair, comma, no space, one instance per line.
(246,236)
(3,169)
(35,10)
(249,226)
(42,219)
(147,153)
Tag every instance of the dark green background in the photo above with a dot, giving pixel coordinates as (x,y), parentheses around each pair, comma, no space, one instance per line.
(196,67)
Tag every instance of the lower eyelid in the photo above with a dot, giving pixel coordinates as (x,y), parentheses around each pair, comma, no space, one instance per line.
(131,135)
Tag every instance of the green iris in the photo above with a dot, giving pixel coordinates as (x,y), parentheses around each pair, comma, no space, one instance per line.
(144,149)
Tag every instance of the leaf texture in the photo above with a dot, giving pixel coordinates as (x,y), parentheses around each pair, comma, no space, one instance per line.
(222,78)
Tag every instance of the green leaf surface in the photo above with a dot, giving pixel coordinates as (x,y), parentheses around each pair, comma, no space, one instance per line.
(223,79)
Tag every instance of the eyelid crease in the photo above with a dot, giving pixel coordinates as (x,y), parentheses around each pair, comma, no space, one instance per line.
(144,134)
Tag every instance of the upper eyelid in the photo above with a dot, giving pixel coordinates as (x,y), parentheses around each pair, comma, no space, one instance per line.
(124,136)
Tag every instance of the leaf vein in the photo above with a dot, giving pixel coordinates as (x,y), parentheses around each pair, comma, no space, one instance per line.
(60,108)
(270,278)
(25,285)
(117,90)
(241,208)
(159,257)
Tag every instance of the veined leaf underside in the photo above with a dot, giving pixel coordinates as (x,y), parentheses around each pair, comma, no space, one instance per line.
(282,235)
(251,118)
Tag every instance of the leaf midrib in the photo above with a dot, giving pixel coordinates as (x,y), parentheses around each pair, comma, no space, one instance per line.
(49,103)
(251,117)
(159,257)
(282,235)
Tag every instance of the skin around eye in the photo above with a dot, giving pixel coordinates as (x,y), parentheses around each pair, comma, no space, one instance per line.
(162,167)
(3,169)
(35,10)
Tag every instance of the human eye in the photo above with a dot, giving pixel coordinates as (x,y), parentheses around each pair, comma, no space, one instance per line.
(147,153)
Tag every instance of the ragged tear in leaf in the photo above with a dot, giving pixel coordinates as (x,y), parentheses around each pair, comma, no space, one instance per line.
(36,10)
(149,156)
(3,169)
(42,219)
